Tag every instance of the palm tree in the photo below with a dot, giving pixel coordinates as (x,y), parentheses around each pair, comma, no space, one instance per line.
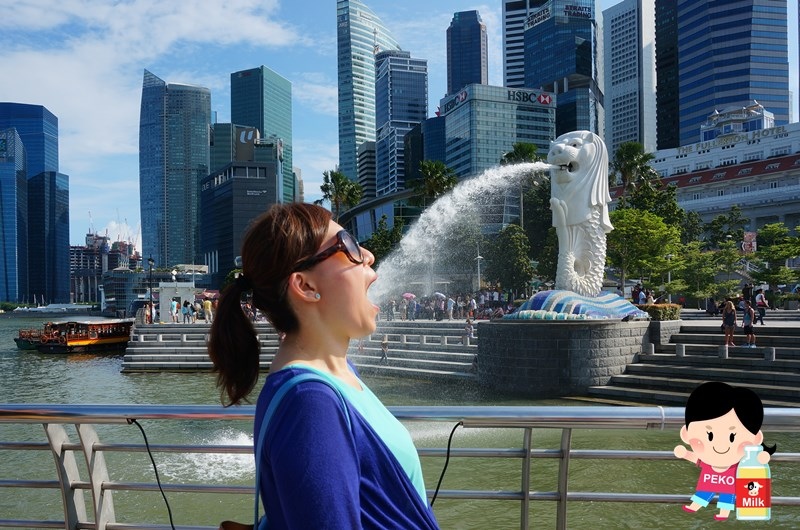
(632,164)
(437,179)
(521,152)
(342,192)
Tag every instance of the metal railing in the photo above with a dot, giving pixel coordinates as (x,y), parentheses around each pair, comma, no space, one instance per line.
(96,478)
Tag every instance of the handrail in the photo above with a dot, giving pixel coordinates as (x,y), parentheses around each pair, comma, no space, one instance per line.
(73,481)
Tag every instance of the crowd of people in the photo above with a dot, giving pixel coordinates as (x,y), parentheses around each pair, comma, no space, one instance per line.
(485,304)
(752,303)
(185,312)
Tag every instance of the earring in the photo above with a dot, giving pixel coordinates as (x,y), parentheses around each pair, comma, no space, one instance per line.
(317,296)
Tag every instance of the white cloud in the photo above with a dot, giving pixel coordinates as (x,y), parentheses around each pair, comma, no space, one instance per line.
(316,91)
(317,156)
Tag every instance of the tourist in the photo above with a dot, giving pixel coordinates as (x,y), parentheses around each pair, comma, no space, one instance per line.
(762,305)
(748,318)
(729,322)
(208,313)
(385,348)
(333,456)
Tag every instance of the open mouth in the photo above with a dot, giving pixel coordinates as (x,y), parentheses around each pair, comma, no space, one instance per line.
(570,167)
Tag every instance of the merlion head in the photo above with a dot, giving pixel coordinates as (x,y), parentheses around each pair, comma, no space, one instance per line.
(581,176)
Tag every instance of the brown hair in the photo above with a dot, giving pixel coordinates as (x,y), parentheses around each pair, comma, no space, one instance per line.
(275,242)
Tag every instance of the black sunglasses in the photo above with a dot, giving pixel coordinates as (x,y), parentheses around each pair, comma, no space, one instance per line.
(344,242)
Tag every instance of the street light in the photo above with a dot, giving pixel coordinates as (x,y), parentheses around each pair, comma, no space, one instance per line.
(151,262)
(669,276)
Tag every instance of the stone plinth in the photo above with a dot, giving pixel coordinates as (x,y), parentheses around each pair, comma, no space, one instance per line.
(547,358)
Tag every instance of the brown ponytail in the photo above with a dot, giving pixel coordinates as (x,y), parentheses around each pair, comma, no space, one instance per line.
(275,242)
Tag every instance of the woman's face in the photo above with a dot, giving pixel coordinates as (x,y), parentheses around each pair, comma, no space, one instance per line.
(719,442)
(342,286)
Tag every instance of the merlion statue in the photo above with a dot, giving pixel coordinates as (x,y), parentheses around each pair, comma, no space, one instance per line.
(579,200)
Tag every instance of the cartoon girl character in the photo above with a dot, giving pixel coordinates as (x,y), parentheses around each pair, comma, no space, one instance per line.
(720,420)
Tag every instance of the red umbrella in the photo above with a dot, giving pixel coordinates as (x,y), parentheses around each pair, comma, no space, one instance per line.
(409,296)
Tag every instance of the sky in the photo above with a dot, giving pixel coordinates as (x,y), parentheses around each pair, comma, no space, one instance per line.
(84,61)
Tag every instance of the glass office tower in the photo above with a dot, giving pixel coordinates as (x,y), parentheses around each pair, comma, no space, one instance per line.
(13,218)
(563,56)
(48,237)
(360,35)
(174,139)
(730,53)
(48,202)
(38,129)
(401,102)
(467,51)
(263,99)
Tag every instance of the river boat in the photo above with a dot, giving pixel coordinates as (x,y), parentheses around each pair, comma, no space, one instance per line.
(28,339)
(94,336)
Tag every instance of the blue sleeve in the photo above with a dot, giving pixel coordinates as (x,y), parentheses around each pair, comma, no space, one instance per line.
(311,475)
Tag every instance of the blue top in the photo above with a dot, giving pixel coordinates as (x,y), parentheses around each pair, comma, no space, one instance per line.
(316,472)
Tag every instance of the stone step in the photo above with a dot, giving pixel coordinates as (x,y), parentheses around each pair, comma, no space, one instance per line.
(784,341)
(660,397)
(674,384)
(765,376)
(456,356)
(731,362)
(424,364)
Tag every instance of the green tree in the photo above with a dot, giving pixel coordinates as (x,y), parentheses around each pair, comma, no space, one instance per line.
(521,152)
(651,196)
(547,263)
(691,227)
(229,279)
(775,247)
(437,179)
(340,191)
(727,258)
(698,268)
(639,243)
(507,261)
(384,240)
(632,164)
(726,226)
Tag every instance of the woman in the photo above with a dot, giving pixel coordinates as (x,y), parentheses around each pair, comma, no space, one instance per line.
(322,465)
(762,305)
(729,322)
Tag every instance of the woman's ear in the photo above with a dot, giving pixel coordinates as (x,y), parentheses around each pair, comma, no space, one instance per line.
(301,286)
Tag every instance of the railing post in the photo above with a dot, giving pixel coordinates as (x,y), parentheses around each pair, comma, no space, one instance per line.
(526,479)
(68,475)
(680,350)
(98,474)
(563,479)
(769,354)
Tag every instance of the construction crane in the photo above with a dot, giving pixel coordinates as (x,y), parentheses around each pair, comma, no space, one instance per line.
(91,223)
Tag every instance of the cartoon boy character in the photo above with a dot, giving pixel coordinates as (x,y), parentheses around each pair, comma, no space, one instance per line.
(720,420)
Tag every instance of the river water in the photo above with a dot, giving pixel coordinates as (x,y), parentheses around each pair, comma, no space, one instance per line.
(30,377)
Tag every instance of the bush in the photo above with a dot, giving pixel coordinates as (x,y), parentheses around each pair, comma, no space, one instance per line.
(662,311)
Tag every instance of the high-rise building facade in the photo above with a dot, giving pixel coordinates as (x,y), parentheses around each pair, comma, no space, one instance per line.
(630,68)
(360,35)
(668,120)
(48,237)
(401,102)
(730,53)
(174,141)
(262,98)
(563,56)
(467,51)
(38,129)
(366,170)
(515,17)
(47,214)
(13,218)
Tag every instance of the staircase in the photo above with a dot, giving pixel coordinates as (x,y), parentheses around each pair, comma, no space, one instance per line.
(665,377)
(424,349)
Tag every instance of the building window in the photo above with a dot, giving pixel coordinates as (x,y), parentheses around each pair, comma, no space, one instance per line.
(773,185)
(720,193)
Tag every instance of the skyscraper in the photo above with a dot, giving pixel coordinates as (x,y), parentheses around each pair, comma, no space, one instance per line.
(730,53)
(38,129)
(13,218)
(563,55)
(515,16)
(467,51)
(263,99)
(630,84)
(173,158)
(47,215)
(401,102)
(668,118)
(360,35)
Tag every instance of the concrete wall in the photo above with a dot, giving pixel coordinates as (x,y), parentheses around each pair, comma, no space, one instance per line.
(547,358)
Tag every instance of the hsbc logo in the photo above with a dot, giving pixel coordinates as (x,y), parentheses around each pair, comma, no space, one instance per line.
(530,97)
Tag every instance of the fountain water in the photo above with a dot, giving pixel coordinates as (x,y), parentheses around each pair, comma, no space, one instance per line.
(435,239)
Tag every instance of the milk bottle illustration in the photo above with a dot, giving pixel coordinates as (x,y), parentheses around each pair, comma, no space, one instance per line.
(753,487)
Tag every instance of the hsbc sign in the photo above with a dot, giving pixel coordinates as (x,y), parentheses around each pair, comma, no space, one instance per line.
(523,96)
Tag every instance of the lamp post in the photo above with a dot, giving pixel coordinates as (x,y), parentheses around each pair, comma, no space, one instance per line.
(478,259)
(151,262)
(669,276)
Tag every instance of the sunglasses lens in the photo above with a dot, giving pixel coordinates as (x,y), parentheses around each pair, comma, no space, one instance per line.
(351,247)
